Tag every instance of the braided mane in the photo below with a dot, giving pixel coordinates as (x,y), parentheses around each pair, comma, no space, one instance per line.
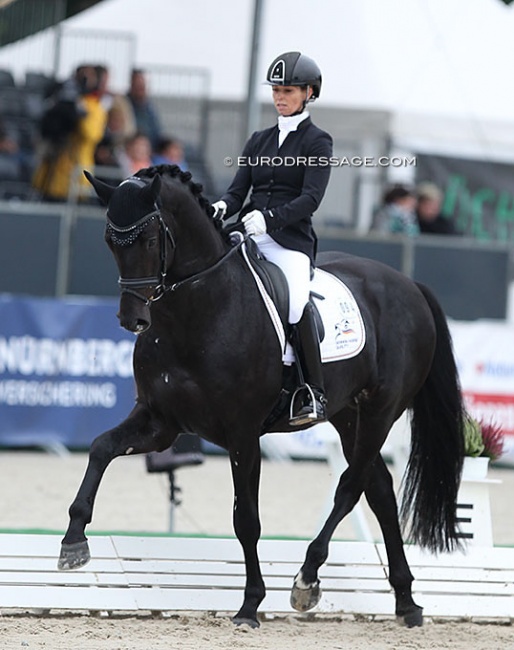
(174,171)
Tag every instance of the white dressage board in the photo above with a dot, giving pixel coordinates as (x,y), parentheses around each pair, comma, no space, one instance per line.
(207,574)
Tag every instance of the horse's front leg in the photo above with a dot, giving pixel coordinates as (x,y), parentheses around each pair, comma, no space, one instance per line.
(137,434)
(245,460)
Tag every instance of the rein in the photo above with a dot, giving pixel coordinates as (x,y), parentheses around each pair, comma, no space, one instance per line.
(196,276)
(130,285)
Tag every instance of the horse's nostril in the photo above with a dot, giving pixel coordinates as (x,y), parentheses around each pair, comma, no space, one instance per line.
(141,325)
(136,325)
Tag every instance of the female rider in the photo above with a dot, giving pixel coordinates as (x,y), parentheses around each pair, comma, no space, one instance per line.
(287,169)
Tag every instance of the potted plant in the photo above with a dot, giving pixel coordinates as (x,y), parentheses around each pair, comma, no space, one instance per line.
(483,442)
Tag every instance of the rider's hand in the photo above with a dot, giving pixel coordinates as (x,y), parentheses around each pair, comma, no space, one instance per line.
(254,223)
(220,208)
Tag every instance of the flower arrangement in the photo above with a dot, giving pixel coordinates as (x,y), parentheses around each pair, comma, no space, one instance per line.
(482,439)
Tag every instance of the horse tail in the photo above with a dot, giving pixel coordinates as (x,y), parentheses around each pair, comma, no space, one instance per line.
(434,468)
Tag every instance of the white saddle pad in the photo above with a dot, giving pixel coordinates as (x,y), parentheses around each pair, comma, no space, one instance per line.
(345,335)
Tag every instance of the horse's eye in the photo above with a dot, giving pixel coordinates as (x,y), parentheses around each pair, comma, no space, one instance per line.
(152,242)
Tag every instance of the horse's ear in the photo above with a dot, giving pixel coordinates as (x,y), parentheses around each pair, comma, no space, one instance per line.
(153,190)
(103,191)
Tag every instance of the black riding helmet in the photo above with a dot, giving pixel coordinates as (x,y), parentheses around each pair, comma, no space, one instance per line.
(295,69)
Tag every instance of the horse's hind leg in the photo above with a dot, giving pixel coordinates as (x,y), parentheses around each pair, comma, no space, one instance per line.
(380,496)
(134,435)
(306,591)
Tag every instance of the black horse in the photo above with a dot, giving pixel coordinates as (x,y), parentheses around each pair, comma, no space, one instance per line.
(207,360)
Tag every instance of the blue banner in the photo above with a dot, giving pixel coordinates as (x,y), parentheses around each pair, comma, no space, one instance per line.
(65,370)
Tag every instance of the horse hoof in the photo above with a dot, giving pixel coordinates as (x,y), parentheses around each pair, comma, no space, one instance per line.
(73,556)
(414,618)
(253,623)
(304,599)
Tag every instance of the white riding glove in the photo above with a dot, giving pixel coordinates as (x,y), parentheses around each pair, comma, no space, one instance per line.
(220,208)
(254,223)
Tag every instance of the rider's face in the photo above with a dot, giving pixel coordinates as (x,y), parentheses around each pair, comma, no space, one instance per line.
(289,99)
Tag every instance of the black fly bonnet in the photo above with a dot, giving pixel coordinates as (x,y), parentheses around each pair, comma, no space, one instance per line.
(131,210)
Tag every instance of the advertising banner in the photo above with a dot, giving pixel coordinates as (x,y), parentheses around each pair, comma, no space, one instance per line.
(485,357)
(65,371)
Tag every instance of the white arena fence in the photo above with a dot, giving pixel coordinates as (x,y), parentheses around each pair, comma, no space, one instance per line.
(158,574)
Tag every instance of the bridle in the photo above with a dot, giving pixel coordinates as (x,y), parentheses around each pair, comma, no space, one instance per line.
(124,236)
(129,234)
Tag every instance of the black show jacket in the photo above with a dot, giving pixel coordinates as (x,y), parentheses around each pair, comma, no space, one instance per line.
(287,183)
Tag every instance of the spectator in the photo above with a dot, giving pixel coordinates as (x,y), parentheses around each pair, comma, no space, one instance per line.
(428,211)
(397,213)
(69,145)
(120,128)
(138,153)
(121,124)
(145,114)
(102,90)
(169,151)
(113,160)
(8,144)
(10,167)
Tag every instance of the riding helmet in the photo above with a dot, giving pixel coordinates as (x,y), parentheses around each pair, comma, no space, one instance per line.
(295,69)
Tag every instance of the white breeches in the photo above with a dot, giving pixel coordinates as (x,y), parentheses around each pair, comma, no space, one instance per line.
(296,267)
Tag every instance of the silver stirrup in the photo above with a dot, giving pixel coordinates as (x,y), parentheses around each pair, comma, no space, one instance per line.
(306,418)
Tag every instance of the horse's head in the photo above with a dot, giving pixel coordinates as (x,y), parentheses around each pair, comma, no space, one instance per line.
(140,242)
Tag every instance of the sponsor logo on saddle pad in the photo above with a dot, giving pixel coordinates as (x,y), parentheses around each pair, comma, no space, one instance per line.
(345,335)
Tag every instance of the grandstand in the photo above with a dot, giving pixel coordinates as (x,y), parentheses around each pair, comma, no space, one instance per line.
(31,34)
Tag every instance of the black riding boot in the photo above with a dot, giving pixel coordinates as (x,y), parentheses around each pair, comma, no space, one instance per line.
(308,404)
